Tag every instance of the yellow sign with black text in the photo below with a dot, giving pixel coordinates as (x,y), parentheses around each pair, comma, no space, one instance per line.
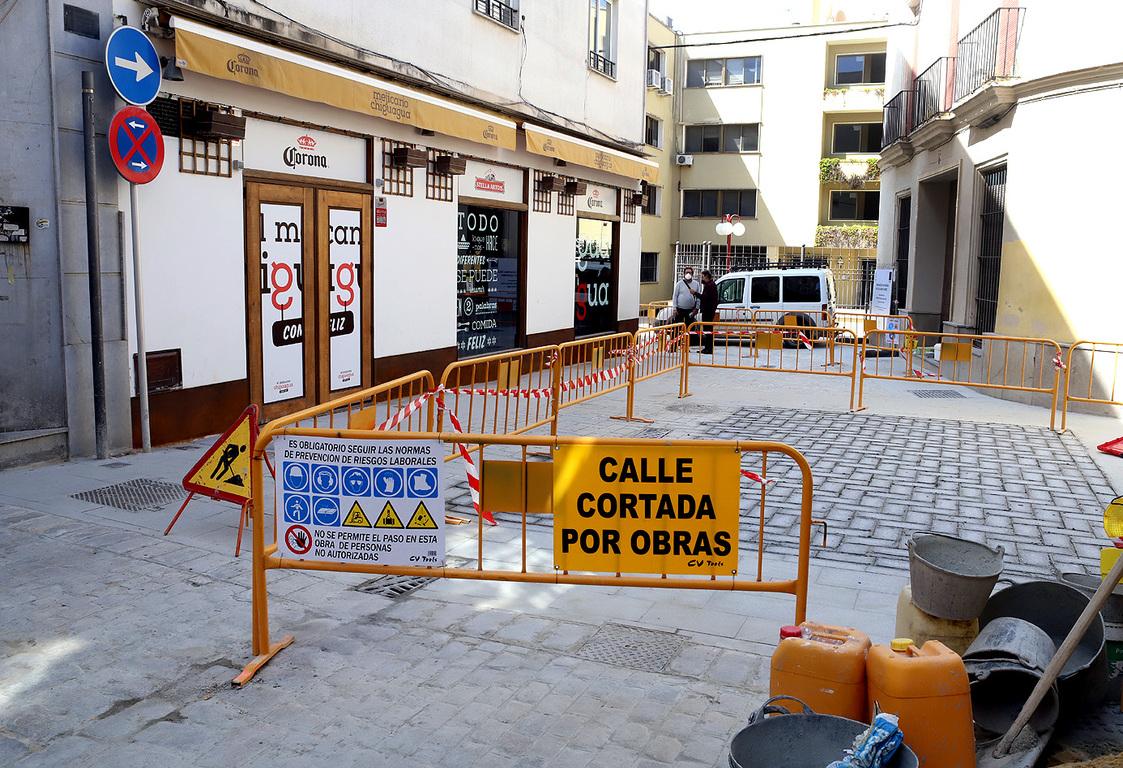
(646,509)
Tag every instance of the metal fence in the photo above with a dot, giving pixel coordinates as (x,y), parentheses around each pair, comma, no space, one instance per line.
(988,51)
(897,118)
(853,268)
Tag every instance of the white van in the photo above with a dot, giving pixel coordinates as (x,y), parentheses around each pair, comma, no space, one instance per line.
(807,295)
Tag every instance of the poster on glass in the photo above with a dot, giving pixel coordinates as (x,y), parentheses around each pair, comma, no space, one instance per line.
(487,280)
(594,309)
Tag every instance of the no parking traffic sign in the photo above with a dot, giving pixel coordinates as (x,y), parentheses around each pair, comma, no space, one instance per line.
(136,145)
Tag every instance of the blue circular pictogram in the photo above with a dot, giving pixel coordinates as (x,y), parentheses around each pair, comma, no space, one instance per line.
(325,512)
(296,477)
(421,482)
(389,482)
(297,509)
(356,481)
(325,478)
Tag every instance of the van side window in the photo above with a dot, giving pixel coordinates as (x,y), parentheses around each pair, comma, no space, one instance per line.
(803,288)
(766,290)
(731,291)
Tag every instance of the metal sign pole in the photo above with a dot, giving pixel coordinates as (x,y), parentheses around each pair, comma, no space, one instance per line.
(141,355)
(93,256)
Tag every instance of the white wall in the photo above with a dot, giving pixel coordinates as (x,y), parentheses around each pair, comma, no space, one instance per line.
(630,245)
(193,271)
(551,242)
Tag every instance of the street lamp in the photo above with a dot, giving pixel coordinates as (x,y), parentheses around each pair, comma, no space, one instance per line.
(729,226)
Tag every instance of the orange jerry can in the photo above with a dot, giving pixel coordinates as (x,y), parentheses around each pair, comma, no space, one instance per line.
(927,689)
(823,666)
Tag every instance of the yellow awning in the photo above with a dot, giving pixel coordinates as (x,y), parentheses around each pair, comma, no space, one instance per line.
(542,141)
(220,54)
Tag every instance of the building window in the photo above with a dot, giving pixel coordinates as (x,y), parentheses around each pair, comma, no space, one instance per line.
(627,207)
(653,132)
(198,155)
(396,180)
(657,60)
(744,71)
(711,203)
(654,197)
(738,137)
(740,202)
(542,197)
(857,138)
(506,12)
(699,203)
(708,73)
(859,68)
(438,186)
(649,267)
(703,138)
(744,137)
(854,205)
(565,202)
(602,34)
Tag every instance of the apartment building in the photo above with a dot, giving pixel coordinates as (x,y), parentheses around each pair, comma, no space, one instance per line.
(658,223)
(353,191)
(780,128)
(997,212)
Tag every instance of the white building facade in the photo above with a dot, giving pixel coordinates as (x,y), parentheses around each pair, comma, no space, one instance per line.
(414,186)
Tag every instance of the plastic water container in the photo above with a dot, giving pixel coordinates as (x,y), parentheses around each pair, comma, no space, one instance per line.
(927,689)
(922,627)
(824,666)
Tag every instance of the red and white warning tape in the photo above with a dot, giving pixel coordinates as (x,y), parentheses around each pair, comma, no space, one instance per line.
(757,478)
(804,340)
(527,393)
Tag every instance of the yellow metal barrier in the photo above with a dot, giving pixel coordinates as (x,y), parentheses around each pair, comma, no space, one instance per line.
(1104,384)
(860,323)
(588,368)
(815,318)
(1007,363)
(786,349)
(651,309)
(503,394)
(267,558)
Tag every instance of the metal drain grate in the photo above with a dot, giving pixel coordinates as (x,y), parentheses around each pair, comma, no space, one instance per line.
(653,434)
(140,495)
(935,394)
(644,649)
(400,586)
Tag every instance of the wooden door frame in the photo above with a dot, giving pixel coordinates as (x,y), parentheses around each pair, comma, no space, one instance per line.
(363,203)
(279,194)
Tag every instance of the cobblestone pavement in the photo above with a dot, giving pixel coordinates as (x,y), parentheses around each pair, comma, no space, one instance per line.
(117,644)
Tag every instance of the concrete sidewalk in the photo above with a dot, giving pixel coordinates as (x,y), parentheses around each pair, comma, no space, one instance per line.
(119,644)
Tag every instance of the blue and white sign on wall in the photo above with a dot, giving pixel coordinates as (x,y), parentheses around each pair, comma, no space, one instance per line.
(132,65)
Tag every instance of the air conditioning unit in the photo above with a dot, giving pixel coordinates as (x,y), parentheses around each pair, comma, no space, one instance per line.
(684,159)
(654,78)
(668,85)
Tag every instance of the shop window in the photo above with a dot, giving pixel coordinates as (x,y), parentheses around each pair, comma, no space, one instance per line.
(198,155)
(594,306)
(541,200)
(649,267)
(395,180)
(438,186)
(488,292)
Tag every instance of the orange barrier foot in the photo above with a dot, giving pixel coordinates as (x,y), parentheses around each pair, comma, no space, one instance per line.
(258,662)
(633,418)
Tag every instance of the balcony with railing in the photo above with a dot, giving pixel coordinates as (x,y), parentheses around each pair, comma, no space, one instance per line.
(896,118)
(602,64)
(988,52)
(934,91)
(500,11)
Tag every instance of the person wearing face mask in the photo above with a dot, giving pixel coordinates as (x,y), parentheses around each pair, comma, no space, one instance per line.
(685,296)
(708,308)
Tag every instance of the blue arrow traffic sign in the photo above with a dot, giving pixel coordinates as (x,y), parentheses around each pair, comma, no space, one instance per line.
(133,66)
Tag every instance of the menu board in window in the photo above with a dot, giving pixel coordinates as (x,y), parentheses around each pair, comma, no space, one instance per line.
(594,310)
(487,280)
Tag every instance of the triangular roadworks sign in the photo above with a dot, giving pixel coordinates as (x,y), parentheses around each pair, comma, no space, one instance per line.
(224,470)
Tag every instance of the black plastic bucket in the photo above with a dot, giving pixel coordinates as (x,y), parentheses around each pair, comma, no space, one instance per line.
(801,740)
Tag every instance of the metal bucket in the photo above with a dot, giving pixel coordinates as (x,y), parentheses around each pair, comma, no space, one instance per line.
(1004,663)
(952,577)
(1113,625)
(1054,608)
(800,740)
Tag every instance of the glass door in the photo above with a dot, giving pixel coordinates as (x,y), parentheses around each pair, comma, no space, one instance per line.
(594,299)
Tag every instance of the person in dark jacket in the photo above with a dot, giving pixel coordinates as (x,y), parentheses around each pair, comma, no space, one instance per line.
(708,308)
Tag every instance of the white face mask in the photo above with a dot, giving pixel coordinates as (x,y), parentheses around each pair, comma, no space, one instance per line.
(688,277)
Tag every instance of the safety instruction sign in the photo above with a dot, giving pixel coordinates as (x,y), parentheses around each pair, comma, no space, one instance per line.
(360,501)
(224,470)
(640,509)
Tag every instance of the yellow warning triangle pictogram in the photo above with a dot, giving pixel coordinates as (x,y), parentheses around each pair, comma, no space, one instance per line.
(356,518)
(421,518)
(389,518)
